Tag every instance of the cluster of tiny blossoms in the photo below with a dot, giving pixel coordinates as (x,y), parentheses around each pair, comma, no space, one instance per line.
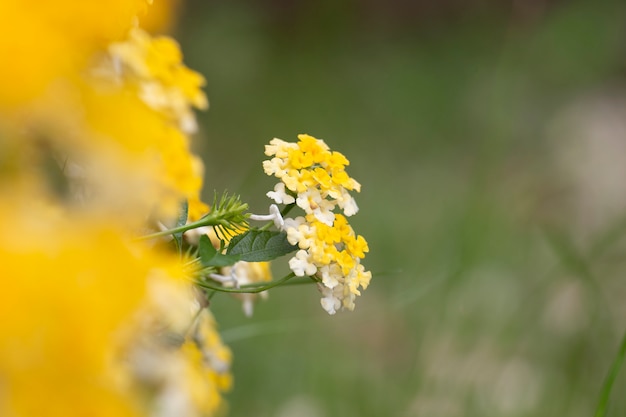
(314,178)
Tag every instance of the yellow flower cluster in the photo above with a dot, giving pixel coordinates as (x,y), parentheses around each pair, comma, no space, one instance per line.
(95,124)
(164,83)
(314,178)
(101,95)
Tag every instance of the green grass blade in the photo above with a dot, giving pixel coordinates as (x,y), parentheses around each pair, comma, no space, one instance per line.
(610,379)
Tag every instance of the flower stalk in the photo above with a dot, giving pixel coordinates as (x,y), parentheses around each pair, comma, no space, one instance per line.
(251,288)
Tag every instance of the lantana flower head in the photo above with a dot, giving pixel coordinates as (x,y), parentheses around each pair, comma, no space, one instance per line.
(314,178)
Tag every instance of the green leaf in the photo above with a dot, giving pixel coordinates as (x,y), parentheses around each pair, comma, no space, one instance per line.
(260,245)
(209,256)
(206,249)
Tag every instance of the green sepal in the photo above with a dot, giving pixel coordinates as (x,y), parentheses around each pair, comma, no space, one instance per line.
(260,245)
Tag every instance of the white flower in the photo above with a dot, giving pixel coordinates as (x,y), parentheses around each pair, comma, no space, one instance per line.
(274,166)
(279,148)
(299,232)
(278,218)
(324,213)
(274,216)
(309,200)
(330,275)
(290,223)
(301,265)
(279,195)
(312,202)
(331,300)
(348,204)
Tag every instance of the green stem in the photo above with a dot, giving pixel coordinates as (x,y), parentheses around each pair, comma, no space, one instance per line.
(300,281)
(211,219)
(247,289)
(610,379)
(266,226)
(287,209)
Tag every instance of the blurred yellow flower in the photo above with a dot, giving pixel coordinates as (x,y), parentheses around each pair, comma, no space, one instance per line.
(162,16)
(142,144)
(127,114)
(70,288)
(44,42)
(95,117)
(164,83)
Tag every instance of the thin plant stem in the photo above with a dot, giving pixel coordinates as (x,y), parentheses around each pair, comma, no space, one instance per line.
(247,289)
(266,226)
(193,322)
(610,379)
(287,209)
(206,221)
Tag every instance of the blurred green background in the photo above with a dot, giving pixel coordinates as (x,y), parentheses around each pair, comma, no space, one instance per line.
(490,140)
